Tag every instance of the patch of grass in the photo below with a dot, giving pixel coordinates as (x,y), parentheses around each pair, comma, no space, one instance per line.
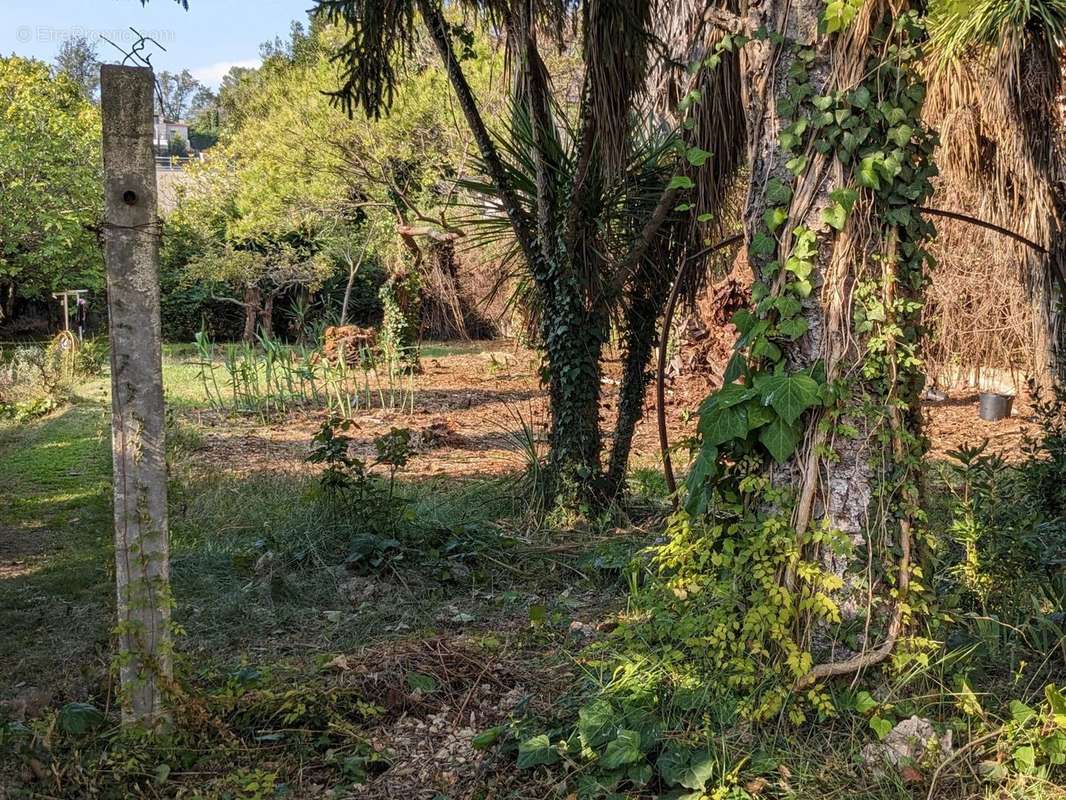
(55,538)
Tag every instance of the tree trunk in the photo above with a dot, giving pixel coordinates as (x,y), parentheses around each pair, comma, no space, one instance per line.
(838,256)
(252,304)
(573,339)
(847,489)
(139,453)
(266,317)
(642,312)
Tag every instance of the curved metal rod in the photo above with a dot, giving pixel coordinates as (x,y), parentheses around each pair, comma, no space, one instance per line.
(664,339)
(937,212)
(671,306)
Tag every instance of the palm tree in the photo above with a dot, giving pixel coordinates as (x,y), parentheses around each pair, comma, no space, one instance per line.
(995,84)
(590,199)
(818,428)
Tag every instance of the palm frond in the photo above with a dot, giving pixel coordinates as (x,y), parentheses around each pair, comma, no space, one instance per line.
(956,26)
(382,33)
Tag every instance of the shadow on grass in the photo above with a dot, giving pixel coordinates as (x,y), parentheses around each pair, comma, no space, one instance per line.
(263,567)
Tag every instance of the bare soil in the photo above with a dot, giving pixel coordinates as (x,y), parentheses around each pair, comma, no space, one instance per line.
(471,411)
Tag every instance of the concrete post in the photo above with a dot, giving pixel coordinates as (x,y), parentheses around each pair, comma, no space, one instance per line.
(131,251)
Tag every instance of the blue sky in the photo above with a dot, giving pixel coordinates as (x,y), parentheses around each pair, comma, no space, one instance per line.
(208,39)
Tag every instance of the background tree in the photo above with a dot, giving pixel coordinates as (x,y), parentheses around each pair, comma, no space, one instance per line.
(78,59)
(176,91)
(50,179)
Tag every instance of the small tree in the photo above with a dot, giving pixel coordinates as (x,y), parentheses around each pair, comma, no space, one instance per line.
(177,146)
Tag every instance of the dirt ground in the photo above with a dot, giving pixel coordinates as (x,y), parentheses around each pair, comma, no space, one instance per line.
(473,410)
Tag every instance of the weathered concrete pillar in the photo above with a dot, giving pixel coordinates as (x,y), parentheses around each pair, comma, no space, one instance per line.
(131,250)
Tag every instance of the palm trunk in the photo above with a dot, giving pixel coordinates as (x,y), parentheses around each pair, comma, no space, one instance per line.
(266,318)
(641,315)
(573,339)
(852,315)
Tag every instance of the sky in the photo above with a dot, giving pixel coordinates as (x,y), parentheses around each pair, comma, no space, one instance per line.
(208,39)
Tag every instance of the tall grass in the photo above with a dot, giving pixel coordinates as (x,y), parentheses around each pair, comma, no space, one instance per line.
(268,378)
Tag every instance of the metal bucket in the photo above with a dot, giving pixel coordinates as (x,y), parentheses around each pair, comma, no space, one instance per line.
(995,406)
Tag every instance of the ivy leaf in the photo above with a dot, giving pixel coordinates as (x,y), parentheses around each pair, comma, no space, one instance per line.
(835,216)
(805,239)
(763,245)
(775,218)
(695,96)
(736,367)
(420,683)
(868,176)
(683,207)
(487,738)
(793,328)
(1054,746)
(860,98)
(734,393)
(1020,712)
(690,769)
(1025,758)
(1058,704)
(901,135)
(758,414)
(787,306)
(639,774)
(822,102)
(697,157)
(680,182)
(800,267)
(743,320)
(777,193)
(767,349)
(864,701)
(880,726)
(780,439)
(721,425)
(536,751)
(845,196)
(789,395)
(796,165)
(703,468)
(623,750)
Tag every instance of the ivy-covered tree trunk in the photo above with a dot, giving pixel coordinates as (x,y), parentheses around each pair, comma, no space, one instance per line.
(640,325)
(573,338)
(804,305)
(813,444)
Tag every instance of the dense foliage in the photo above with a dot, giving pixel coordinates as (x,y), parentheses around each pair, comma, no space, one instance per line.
(50,183)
